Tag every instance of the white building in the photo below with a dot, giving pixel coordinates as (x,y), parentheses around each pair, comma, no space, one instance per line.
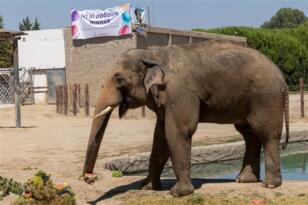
(44,52)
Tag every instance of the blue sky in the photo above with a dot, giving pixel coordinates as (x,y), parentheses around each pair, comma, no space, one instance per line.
(179,14)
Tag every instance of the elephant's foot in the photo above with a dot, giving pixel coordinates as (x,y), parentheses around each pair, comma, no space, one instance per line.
(182,189)
(148,185)
(272,181)
(247,176)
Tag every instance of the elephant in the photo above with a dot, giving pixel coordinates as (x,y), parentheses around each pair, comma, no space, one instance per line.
(214,81)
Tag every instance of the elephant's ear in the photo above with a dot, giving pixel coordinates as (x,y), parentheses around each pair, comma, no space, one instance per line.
(153,80)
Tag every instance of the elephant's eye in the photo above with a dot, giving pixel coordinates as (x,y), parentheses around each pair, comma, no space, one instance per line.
(119,80)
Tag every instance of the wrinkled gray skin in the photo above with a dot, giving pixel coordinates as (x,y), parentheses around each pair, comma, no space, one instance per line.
(213,81)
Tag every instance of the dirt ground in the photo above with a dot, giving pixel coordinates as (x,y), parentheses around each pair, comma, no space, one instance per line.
(57,144)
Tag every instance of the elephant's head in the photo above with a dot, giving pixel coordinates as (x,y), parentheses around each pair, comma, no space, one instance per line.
(135,79)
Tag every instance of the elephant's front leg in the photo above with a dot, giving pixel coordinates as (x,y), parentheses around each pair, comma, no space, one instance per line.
(179,131)
(159,157)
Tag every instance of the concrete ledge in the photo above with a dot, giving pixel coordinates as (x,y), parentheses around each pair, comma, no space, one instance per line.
(200,154)
(196,34)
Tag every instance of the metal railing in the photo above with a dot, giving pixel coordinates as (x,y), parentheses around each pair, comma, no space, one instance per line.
(23,89)
(6,86)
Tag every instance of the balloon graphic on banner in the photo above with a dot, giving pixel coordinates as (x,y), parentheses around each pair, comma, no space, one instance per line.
(124,30)
(74,15)
(126,17)
(74,30)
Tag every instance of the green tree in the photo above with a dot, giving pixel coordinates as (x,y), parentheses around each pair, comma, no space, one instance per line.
(27,25)
(1,22)
(285,18)
(36,25)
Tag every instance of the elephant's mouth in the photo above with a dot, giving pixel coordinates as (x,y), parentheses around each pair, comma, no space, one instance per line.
(122,109)
(128,103)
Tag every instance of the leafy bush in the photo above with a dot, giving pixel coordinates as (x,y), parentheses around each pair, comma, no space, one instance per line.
(288,47)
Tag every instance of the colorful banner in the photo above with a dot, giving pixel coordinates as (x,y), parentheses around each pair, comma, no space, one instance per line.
(114,21)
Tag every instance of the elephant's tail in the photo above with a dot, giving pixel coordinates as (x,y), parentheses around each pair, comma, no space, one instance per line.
(286,117)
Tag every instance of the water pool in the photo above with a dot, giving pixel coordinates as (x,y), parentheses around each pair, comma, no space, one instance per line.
(293,167)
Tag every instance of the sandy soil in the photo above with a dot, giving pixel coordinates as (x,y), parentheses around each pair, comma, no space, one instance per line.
(57,145)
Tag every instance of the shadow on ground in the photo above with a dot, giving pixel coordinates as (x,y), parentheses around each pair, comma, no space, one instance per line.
(22,127)
(166,185)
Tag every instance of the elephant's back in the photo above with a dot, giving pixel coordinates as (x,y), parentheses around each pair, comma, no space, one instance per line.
(248,64)
(223,63)
(231,76)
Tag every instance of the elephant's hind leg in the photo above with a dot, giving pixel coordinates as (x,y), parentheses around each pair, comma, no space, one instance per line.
(267,125)
(159,157)
(272,177)
(250,171)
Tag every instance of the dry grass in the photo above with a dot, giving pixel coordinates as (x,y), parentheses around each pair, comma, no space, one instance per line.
(152,198)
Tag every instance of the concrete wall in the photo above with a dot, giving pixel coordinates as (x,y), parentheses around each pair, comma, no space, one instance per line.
(90,61)
(42,49)
(177,39)
(157,39)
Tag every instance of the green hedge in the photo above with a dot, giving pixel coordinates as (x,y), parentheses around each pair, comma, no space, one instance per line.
(5,54)
(288,48)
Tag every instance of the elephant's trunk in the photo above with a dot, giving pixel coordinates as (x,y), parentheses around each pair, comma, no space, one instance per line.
(109,98)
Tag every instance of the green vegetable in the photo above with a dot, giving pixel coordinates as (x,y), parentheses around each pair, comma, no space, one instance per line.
(117,174)
(8,186)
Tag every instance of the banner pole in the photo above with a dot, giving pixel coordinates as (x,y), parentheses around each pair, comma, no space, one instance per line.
(149,21)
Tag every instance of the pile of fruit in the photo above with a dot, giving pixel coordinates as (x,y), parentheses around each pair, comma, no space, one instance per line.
(39,190)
